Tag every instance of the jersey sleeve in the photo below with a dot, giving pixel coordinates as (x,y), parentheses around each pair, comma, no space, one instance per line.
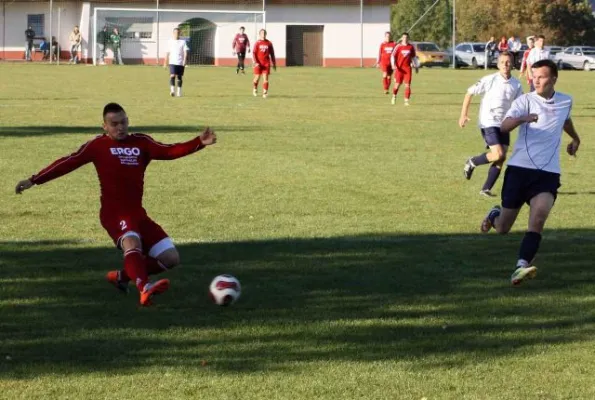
(379,54)
(393,56)
(247,41)
(255,52)
(235,41)
(161,151)
(65,165)
(272,54)
(479,88)
(519,108)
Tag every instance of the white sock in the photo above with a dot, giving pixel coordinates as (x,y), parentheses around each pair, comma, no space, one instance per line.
(172,89)
(522,263)
(179,91)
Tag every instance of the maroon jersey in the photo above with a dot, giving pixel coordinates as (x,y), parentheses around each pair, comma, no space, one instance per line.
(385,52)
(120,166)
(403,55)
(240,43)
(263,53)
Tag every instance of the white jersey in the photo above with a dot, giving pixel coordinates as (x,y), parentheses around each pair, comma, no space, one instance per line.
(176,49)
(499,93)
(538,143)
(536,55)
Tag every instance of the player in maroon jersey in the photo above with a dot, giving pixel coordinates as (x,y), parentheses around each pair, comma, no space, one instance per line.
(240,45)
(121,160)
(384,54)
(402,59)
(531,44)
(263,56)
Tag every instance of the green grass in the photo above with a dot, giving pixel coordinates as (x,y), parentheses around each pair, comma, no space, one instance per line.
(346,219)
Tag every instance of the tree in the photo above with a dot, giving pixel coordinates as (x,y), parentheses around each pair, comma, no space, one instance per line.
(435,25)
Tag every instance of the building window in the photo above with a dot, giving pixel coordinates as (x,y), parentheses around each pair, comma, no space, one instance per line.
(131,27)
(37,23)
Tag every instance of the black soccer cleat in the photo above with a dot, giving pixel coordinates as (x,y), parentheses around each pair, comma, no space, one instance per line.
(468,169)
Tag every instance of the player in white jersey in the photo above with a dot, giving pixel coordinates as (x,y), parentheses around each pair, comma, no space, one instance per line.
(537,53)
(177,55)
(499,90)
(533,172)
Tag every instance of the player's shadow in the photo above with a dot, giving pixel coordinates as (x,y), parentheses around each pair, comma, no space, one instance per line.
(28,131)
(429,299)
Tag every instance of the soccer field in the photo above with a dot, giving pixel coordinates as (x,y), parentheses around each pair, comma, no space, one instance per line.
(347,220)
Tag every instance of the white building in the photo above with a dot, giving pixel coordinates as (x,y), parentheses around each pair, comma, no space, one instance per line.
(304,32)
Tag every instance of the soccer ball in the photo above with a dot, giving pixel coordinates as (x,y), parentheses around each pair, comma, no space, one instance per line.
(225,290)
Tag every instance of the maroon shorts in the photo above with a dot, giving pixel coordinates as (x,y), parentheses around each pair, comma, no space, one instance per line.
(386,68)
(403,75)
(120,224)
(262,69)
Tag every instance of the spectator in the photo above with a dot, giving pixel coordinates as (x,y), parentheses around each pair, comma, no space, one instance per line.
(55,49)
(116,43)
(102,42)
(514,47)
(75,43)
(503,44)
(44,46)
(537,53)
(490,50)
(29,36)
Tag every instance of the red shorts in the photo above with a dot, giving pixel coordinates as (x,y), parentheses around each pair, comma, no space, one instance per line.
(262,69)
(403,75)
(386,68)
(120,224)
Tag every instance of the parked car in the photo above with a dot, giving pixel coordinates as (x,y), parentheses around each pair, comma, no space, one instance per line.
(429,54)
(473,55)
(554,50)
(580,57)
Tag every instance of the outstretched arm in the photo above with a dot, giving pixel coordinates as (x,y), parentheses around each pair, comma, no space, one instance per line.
(58,168)
(160,151)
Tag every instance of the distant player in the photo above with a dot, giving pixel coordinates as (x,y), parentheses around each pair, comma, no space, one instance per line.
(403,59)
(121,160)
(383,61)
(499,90)
(177,56)
(533,172)
(530,44)
(241,45)
(263,55)
(537,53)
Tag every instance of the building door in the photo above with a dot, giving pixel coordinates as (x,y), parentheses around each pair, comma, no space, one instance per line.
(304,45)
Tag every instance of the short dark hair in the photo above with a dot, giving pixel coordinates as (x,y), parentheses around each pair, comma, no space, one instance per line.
(405,33)
(112,108)
(549,64)
(242,28)
(540,37)
(505,53)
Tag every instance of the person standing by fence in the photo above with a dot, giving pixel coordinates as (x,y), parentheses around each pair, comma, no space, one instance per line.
(116,43)
(75,43)
(102,42)
(29,36)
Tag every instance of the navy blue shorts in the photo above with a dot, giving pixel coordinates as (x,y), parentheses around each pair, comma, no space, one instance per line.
(493,136)
(522,184)
(176,69)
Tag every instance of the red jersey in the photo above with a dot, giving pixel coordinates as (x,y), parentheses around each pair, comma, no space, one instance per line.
(385,52)
(240,43)
(120,166)
(524,62)
(403,55)
(263,53)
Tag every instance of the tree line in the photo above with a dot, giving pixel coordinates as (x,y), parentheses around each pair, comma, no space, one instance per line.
(563,22)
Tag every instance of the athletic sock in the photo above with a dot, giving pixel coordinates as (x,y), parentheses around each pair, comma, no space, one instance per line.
(529,247)
(385,83)
(135,267)
(493,174)
(495,213)
(265,86)
(395,91)
(480,160)
(407,93)
(179,81)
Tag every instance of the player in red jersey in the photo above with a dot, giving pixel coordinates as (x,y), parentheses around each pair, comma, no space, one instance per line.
(263,55)
(121,160)
(240,44)
(384,55)
(402,59)
(531,44)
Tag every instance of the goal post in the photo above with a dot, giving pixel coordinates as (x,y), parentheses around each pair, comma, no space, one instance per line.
(145,33)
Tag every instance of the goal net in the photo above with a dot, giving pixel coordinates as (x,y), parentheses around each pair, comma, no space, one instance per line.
(144,34)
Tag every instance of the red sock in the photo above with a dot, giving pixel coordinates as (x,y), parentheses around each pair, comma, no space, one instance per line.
(154,266)
(407,93)
(135,267)
(265,86)
(255,85)
(395,91)
(385,83)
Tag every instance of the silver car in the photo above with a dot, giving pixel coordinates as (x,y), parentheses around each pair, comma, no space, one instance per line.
(580,57)
(473,55)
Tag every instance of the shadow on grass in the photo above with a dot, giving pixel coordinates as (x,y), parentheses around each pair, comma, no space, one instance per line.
(433,300)
(26,131)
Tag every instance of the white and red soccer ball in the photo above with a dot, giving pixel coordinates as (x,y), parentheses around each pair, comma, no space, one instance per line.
(225,290)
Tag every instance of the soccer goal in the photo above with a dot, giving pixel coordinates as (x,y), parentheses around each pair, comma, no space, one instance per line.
(144,34)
